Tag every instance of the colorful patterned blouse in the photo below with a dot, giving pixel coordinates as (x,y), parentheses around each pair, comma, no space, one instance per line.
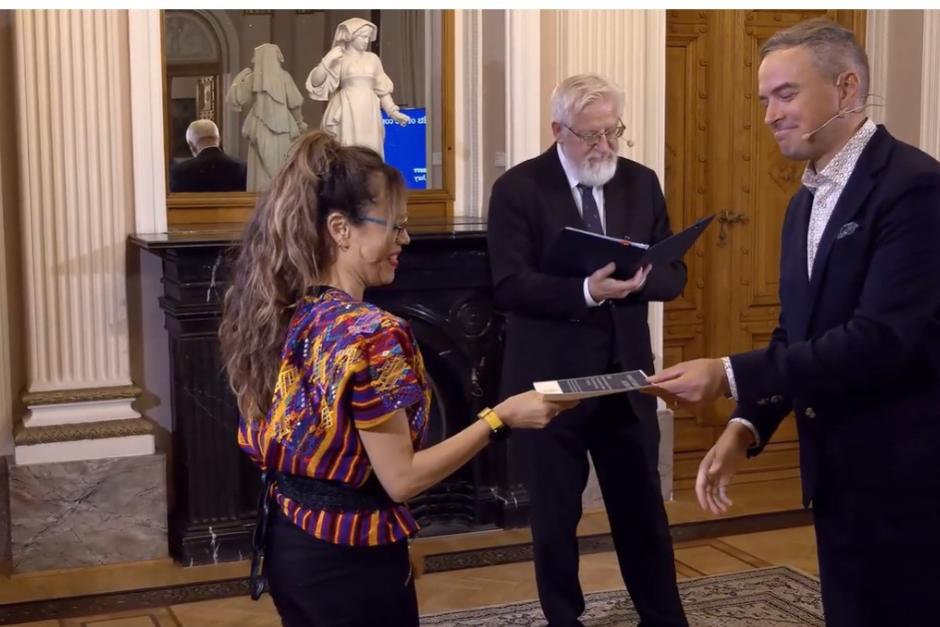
(346,365)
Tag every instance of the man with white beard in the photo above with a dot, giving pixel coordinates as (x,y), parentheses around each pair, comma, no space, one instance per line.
(562,327)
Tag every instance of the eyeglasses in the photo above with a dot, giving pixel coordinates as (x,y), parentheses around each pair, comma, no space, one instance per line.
(592,139)
(398,227)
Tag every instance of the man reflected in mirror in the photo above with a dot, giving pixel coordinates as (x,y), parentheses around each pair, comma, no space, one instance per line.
(210,169)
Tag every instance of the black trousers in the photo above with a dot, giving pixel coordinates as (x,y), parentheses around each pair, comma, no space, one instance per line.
(319,584)
(879,552)
(555,469)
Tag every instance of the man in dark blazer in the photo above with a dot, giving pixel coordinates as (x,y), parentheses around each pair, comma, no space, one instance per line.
(570,327)
(210,169)
(856,354)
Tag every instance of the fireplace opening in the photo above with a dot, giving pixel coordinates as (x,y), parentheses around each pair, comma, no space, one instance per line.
(453,505)
(442,288)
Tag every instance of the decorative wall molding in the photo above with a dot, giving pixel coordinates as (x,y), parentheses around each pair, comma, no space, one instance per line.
(28,436)
(81,395)
(877,29)
(145,50)
(930,85)
(468,112)
(523,58)
(87,449)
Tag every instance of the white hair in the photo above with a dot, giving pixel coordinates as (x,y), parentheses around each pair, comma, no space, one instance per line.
(576,92)
(200,130)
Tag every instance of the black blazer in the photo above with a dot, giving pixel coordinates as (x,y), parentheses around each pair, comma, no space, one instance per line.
(857,350)
(210,171)
(550,332)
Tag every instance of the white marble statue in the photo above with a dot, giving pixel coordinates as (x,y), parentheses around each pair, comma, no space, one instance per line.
(352,79)
(274,120)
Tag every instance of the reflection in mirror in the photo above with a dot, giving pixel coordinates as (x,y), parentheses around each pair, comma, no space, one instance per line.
(263,77)
(273,120)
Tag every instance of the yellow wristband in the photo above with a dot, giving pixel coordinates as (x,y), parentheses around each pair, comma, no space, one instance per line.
(489,416)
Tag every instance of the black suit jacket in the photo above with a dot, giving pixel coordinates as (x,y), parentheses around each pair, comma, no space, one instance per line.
(857,350)
(550,332)
(210,171)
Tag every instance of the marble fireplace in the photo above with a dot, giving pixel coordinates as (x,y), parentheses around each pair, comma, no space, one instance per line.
(442,288)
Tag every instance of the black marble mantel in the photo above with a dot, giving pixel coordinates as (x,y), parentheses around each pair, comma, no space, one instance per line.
(442,287)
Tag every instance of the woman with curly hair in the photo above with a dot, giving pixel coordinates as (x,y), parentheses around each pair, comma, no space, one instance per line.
(333,394)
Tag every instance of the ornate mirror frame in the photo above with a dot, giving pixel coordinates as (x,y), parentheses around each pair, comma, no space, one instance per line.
(192,210)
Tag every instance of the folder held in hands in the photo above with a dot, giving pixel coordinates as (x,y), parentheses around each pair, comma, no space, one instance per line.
(578,253)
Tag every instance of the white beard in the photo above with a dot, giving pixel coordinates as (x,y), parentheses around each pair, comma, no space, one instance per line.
(598,171)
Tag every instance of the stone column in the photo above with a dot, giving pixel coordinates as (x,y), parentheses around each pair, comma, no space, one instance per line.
(84,457)
(76,205)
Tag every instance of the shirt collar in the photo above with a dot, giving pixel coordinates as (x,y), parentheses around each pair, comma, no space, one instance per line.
(839,169)
(570,172)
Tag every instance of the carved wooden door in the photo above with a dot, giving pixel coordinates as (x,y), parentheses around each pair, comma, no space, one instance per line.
(721,159)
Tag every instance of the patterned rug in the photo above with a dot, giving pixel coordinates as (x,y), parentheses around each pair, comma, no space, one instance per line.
(769,597)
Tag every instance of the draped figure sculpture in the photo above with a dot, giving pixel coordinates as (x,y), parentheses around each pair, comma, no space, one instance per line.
(274,120)
(351,78)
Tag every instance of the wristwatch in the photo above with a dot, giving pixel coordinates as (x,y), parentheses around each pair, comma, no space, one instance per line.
(498,429)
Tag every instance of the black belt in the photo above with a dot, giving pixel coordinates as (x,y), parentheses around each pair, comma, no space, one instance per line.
(332,495)
(310,493)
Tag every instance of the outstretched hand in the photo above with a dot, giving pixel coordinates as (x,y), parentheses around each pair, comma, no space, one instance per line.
(691,382)
(530,410)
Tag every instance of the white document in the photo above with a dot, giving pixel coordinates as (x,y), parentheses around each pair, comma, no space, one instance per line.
(587,387)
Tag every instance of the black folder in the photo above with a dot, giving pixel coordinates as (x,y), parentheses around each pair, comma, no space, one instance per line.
(578,253)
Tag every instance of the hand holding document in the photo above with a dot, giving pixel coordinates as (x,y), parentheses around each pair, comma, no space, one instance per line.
(588,387)
(603,286)
(578,253)
(693,383)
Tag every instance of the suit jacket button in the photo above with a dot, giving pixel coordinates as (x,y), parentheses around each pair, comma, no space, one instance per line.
(809,413)
(776,398)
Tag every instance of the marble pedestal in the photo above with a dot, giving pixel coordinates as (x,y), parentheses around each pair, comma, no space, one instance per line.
(86,513)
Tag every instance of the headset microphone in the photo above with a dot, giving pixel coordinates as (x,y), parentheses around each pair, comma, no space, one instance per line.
(808,136)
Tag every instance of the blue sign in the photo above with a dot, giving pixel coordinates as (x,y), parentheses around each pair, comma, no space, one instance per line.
(406,147)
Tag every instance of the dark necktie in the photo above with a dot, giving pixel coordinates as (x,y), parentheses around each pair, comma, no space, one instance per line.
(589,211)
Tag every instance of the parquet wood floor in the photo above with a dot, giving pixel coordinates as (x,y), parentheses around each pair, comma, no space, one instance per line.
(443,591)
